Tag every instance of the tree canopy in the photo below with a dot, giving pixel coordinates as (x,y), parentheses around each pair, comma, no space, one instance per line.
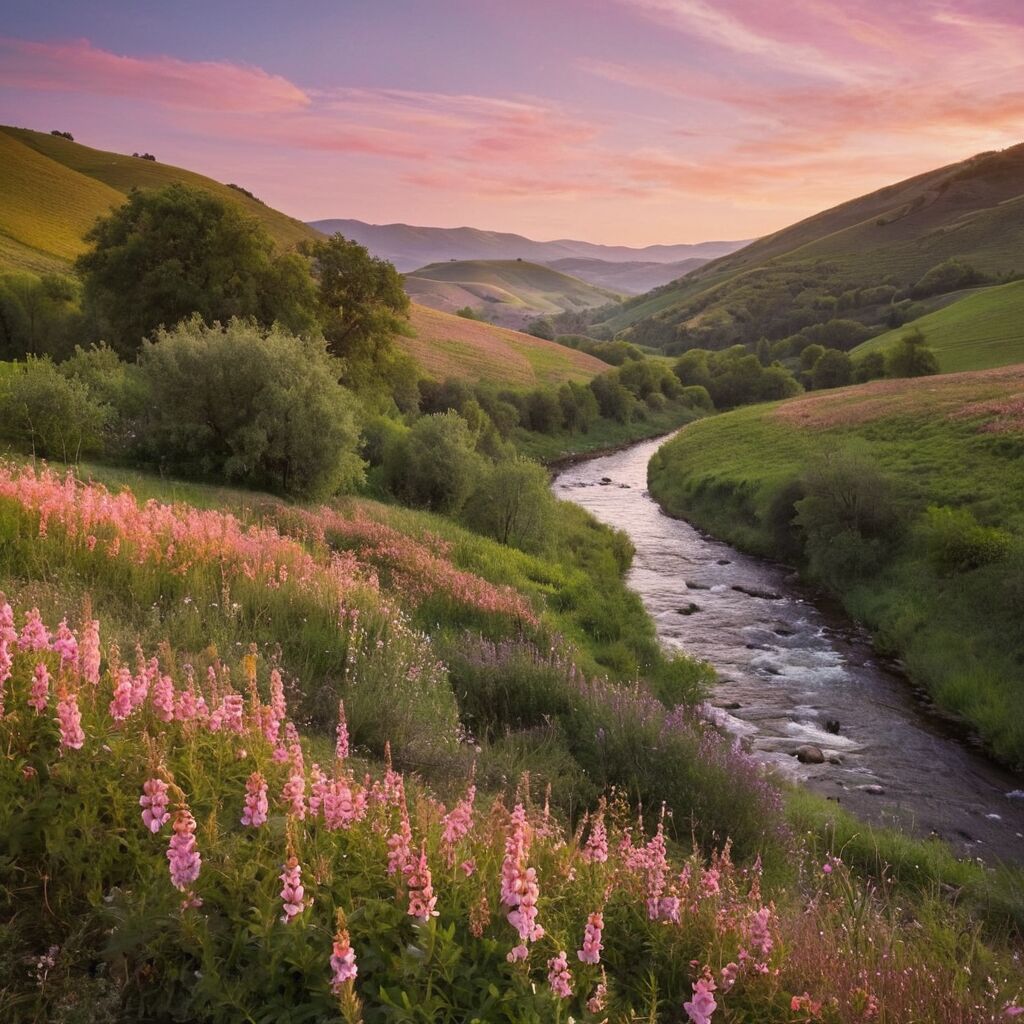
(172,252)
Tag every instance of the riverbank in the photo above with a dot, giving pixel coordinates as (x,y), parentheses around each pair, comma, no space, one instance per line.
(790,672)
(901,497)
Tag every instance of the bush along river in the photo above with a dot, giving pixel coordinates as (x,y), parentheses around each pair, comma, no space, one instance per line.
(798,682)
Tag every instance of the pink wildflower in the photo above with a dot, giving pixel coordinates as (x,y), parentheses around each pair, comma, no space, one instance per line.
(343,960)
(516,848)
(182,854)
(524,916)
(457,824)
(39,695)
(422,900)
(729,974)
(591,951)
(316,790)
(121,705)
(256,807)
(559,977)
(341,746)
(89,652)
(399,855)
(703,1004)
(154,804)
(8,634)
(69,719)
(826,869)
(596,849)
(758,931)
(66,646)
(34,634)
(230,715)
(293,895)
(274,715)
(162,697)
(596,1003)
(467,867)
(6,665)
(342,805)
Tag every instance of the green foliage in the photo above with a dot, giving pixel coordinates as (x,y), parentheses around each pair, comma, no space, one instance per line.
(735,377)
(242,403)
(435,465)
(50,414)
(911,357)
(541,327)
(870,366)
(38,315)
(169,253)
(956,542)
(513,504)
(948,276)
(834,369)
(362,305)
(468,313)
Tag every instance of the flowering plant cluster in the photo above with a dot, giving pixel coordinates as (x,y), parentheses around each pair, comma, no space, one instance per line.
(325,881)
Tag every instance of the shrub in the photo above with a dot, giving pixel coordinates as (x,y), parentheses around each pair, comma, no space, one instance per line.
(833,370)
(948,276)
(870,366)
(242,403)
(911,357)
(513,504)
(54,416)
(957,542)
(435,465)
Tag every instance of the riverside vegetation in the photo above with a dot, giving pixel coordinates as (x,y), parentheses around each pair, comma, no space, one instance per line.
(392,742)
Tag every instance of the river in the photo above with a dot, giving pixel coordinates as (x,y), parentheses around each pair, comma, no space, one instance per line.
(792,669)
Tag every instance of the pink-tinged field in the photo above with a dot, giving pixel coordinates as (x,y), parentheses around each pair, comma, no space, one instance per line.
(995,398)
(186,849)
(451,346)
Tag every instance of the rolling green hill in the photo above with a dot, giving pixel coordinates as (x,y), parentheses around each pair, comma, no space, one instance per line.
(985,329)
(509,292)
(854,261)
(52,191)
(903,496)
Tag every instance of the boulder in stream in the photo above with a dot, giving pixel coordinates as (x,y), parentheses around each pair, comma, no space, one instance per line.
(767,595)
(808,753)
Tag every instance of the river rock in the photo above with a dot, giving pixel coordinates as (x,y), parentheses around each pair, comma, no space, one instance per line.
(767,595)
(733,705)
(689,609)
(808,753)
(873,788)
(832,726)
(694,585)
(834,759)
(723,561)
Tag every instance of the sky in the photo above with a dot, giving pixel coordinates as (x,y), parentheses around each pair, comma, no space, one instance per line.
(619,121)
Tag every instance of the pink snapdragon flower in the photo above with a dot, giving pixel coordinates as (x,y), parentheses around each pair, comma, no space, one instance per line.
(399,846)
(343,960)
(343,805)
(703,1005)
(293,895)
(559,977)
(422,900)
(69,720)
(183,856)
(341,746)
(457,824)
(316,790)
(596,1003)
(39,695)
(591,951)
(595,851)
(154,802)
(66,645)
(6,667)
(256,808)
(34,634)
(730,972)
(162,698)
(89,652)
(121,706)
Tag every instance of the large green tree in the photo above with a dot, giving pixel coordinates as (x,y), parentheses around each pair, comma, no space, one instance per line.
(362,306)
(169,253)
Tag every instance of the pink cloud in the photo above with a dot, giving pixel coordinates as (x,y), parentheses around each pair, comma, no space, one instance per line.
(78,66)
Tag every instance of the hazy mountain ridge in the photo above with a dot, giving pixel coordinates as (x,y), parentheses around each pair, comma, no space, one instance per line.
(410,246)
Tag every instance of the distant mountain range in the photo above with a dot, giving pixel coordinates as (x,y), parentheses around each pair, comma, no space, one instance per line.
(410,247)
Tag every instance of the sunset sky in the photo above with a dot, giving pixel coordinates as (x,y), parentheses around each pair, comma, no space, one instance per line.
(619,121)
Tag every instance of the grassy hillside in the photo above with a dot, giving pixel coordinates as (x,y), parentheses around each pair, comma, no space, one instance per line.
(451,346)
(813,270)
(629,278)
(53,190)
(982,330)
(841,482)
(506,291)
